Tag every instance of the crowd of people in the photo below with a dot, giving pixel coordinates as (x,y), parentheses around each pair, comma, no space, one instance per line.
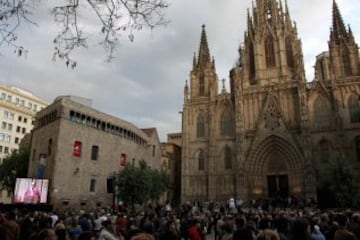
(190,221)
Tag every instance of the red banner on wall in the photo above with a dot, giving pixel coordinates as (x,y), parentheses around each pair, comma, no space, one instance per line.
(77,149)
(123,160)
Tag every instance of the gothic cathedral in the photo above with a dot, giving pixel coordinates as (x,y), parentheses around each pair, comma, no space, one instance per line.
(274,130)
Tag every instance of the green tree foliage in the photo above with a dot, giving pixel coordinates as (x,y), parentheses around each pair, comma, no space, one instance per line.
(14,166)
(341,179)
(140,184)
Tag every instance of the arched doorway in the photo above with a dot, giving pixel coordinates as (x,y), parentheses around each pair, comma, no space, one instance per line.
(277,175)
(275,168)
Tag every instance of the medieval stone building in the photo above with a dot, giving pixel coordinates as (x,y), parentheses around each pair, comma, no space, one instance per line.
(271,133)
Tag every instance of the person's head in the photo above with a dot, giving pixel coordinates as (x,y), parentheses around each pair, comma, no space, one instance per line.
(341,219)
(196,222)
(142,236)
(87,235)
(268,234)
(106,224)
(47,234)
(300,229)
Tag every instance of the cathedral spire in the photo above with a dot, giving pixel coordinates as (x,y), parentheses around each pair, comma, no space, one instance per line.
(287,15)
(338,30)
(204,53)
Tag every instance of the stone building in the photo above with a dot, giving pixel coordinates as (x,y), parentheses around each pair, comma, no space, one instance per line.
(268,136)
(80,149)
(171,163)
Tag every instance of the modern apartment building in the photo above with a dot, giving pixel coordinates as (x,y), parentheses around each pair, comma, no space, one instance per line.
(18,108)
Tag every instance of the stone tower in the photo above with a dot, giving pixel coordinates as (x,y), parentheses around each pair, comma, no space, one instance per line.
(268,136)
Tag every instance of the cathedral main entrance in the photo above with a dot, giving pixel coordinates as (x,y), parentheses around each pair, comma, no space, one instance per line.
(278,185)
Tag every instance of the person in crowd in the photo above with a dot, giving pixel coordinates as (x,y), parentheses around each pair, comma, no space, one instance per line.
(242,233)
(195,231)
(343,233)
(315,229)
(12,228)
(143,236)
(170,232)
(46,234)
(227,231)
(107,232)
(355,224)
(87,235)
(74,229)
(267,234)
(300,229)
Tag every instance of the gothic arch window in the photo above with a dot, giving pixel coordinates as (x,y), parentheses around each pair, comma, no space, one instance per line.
(324,151)
(252,63)
(227,158)
(347,62)
(201,85)
(354,108)
(226,123)
(200,126)
(201,160)
(269,52)
(322,113)
(289,52)
(357,147)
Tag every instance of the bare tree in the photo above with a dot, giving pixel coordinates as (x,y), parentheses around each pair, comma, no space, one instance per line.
(115,17)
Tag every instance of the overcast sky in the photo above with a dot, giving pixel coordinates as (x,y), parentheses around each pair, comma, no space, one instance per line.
(144,83)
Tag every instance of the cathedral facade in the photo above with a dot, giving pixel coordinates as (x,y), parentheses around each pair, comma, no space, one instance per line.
(271,133)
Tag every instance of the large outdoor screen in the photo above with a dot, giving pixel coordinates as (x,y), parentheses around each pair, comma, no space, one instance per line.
(31,190)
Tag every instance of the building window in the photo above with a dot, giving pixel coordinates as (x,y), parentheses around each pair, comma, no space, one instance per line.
(347,62)
(269,52)
(6,150)
(201,160)
(6,114)
(7,138)
(35,107)
(1,149)
(30,105)
(17,140)
(354,108)
(17,100)
(289,53)
(77,149)
(25,120)
(226,123)
(3,95)
(227,157)
(9,98)
(322,113)
(18,129)
(49,146)
(2,137)
(324,150)
(357,147)
(11,116)
(10,127)
(3,125)
(201,85)
(22,102)
(94,152)
(92,185)
(19,118)
(200,126)
(23,130)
